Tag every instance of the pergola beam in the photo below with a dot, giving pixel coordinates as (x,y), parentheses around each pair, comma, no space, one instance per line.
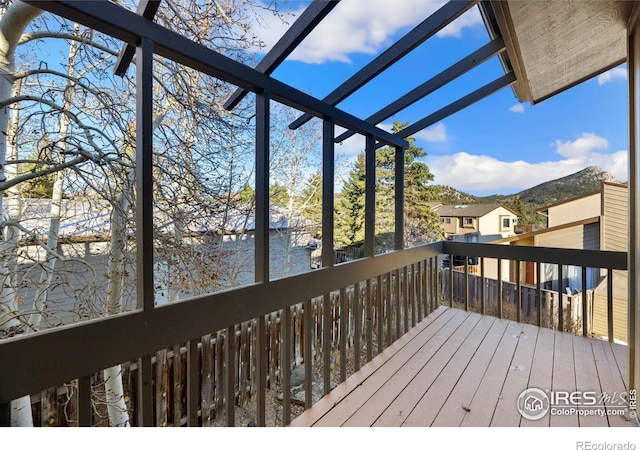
(429,27)
(147,9)
(451,73)
(308,20)
(486,90)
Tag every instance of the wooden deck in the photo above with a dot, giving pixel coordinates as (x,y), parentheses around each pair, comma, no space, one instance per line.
(457,368)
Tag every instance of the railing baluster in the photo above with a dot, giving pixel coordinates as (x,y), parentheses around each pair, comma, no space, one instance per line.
(451,281)
(368,320)
(518,298)
(396,289)
(585,324)
(193,375)
(500,288)
(482,283)
(230,375)
(405,298)
(326,343)
(412,293)
(418,288)
(261,369)
(560,300)
(434,282)
(388,309)
(610,334)
(308,357)
(380,316)
(145,392)
(357,330)
(538,294)
(466,283)
(5,414)
(285,365)
(344,323)
(85,411)
(425,279)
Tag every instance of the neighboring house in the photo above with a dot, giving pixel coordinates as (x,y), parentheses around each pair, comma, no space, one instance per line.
(477,223)
(594,221)
(221,251)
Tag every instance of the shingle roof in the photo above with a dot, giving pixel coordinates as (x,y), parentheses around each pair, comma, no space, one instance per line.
(477,210)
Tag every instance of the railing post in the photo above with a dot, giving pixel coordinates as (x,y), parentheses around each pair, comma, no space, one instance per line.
(285,365)
(610,330)
(193,375)
(399,198)
(5,414)
(466,283)
(85,411)
(450,281)
(328,175)
(263,119)
(344,322)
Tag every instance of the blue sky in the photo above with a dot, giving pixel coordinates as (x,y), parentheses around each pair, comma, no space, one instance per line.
(494,146)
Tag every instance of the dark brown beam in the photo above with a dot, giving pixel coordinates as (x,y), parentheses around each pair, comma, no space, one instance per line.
(308,20)
(147,9)
(479,94)
(429,27)
(127,26)
(461,67)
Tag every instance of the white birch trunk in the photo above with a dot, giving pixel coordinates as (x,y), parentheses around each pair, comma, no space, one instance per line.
(12,25)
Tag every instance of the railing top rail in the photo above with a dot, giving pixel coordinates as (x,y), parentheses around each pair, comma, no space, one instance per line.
(129,27)
(51,357)
(583,258)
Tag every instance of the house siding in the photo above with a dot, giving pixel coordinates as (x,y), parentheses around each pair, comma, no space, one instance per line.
(616,215)
(574,211)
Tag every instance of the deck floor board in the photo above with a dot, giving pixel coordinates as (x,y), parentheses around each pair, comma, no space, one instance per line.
(458,368)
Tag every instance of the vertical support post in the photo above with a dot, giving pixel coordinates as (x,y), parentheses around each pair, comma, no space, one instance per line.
(585,317)
(518,298)
(399,198)
(560,300)
(328,175)
(261,242)
(633,255)
(85,411)
(193,379)
(538,294)
(370,196)
(499,288)
(144,175)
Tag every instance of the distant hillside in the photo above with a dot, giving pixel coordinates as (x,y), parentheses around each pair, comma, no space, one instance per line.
(579,183)
(527,201)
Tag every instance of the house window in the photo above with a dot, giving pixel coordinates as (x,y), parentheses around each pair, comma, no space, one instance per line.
(506,222)
(468,221)
(446,220)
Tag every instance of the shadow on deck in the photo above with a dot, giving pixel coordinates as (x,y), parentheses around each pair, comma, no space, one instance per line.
(458,368)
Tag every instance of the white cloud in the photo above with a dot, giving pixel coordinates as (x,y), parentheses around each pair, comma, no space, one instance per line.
(358,26)
(435,133)
(517,108)
(481,173)
(610,75)
(582,146)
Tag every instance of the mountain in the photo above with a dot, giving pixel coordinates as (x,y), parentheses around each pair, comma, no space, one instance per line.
(579,183)
(527,201)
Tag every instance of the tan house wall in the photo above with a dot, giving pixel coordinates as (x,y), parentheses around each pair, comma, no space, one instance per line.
(491,223)
(615,227)
(575,210)
(579,237)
